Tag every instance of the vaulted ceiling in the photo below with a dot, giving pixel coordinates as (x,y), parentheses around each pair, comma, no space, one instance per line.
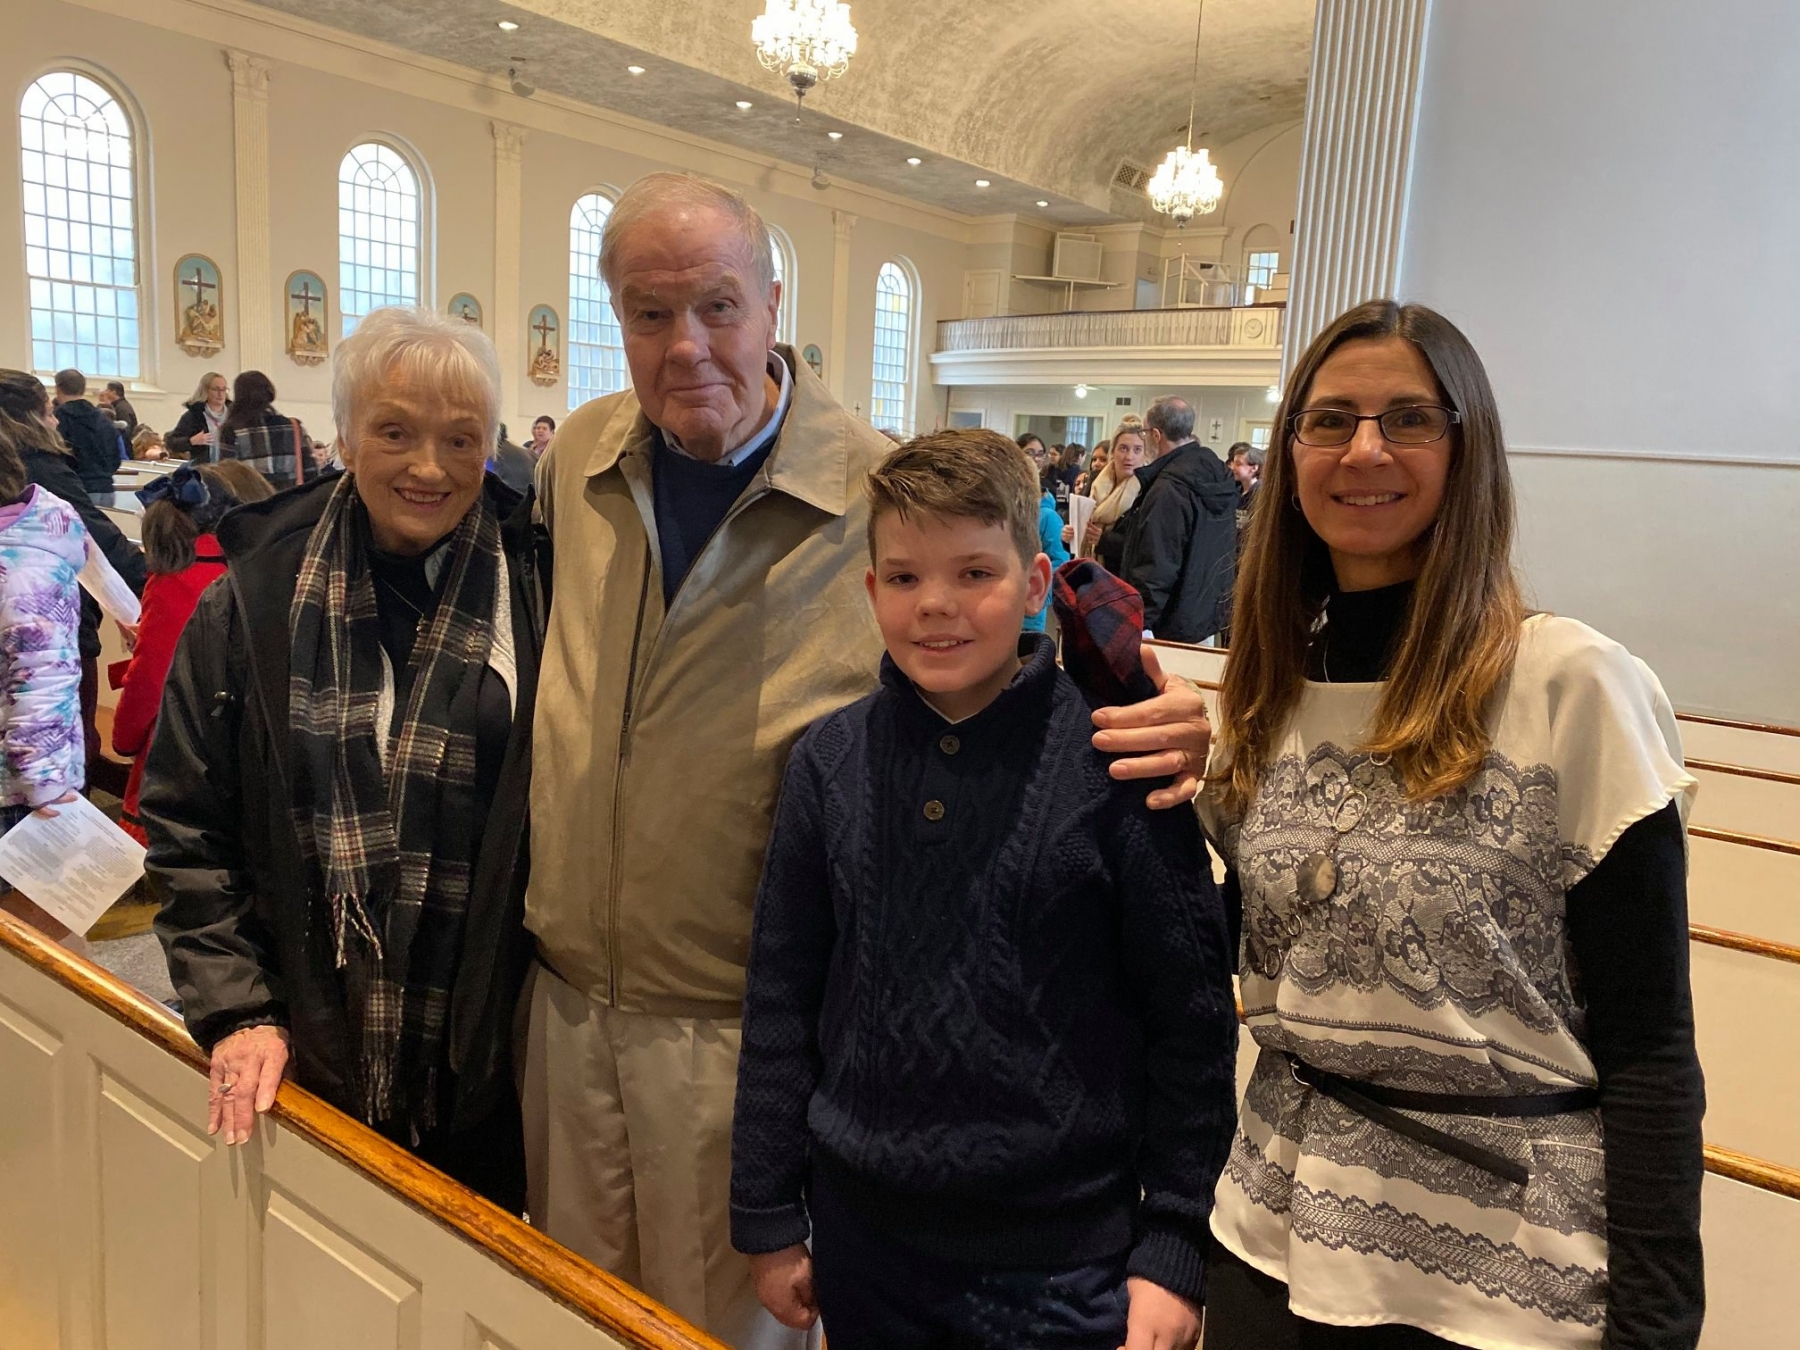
(1041,97)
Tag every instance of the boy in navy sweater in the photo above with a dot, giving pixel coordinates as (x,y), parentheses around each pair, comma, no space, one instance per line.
(989,1035)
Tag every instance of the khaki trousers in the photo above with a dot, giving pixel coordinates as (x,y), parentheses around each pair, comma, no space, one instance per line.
(628,1155)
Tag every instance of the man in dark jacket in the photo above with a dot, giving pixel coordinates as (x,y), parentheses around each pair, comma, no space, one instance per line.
(116,406)
(1180,537)
(90,434)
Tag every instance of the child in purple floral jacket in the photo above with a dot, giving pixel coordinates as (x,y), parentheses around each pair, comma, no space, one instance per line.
(45,555)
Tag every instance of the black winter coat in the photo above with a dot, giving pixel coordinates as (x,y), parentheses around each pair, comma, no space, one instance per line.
(94,438)
(192,423)
(237,901)
(1179,543)
(56,474)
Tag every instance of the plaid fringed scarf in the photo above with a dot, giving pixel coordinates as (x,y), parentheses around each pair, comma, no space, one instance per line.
(387,823)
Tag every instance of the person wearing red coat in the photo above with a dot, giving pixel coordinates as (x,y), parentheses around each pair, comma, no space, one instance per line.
(184,558)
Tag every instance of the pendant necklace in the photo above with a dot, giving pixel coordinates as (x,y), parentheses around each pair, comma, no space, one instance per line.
(1318,874)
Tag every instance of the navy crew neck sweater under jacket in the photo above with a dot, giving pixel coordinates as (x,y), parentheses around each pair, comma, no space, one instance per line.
(692,498)
(989,999)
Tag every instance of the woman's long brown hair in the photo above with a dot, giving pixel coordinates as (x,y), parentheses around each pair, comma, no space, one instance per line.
(1462,627)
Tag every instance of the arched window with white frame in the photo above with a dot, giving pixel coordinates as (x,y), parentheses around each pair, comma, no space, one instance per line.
(380,225)
(782,253)
(890,402)
(78,172)
(596,342)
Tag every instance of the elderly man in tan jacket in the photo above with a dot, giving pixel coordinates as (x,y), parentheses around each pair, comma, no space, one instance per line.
(709,531)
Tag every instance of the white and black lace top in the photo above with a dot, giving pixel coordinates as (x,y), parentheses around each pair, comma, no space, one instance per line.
(1441,962)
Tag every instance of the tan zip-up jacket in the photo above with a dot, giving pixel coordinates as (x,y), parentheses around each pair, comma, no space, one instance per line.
(661,737)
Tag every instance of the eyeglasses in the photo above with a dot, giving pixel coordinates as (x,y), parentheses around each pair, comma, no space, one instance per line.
(1417,424)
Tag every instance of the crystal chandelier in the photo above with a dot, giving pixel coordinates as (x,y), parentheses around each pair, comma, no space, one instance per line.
(806,40)
(1186,184)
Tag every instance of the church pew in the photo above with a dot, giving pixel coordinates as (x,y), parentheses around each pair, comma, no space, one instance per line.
(1752,801)
(1743,886)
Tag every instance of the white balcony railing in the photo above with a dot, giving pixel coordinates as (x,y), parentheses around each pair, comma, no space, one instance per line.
(1249,326)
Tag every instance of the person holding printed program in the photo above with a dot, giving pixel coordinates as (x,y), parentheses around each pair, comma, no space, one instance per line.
(989,1037)
(45,552)
(1457,832)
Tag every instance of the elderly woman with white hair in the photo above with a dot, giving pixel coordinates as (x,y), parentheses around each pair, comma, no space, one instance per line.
(336,797)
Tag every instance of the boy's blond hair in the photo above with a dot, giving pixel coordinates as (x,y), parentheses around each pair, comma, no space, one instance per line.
(966,475)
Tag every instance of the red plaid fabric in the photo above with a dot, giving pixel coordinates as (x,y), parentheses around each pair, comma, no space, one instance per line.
(1102,622)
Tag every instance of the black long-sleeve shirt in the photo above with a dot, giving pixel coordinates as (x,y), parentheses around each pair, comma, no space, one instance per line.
(989,993)
(1628,932)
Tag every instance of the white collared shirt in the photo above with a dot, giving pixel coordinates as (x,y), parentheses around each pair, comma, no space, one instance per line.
(778,370)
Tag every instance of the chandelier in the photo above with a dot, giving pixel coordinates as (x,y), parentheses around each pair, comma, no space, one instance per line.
(806,40)
(1186,184)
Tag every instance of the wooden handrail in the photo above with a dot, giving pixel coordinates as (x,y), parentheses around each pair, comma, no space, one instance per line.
(1743,942)
(1757,1172)
(1766,728)
(1713,832)
(1698,719)
(606,1301)
(1746,771)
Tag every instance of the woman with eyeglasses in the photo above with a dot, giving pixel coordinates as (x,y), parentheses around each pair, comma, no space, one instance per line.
(1455,835)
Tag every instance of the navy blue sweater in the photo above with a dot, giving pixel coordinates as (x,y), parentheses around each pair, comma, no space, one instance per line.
(989,993)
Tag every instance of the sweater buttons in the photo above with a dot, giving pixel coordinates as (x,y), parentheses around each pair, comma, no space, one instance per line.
(950,745)
(934,811)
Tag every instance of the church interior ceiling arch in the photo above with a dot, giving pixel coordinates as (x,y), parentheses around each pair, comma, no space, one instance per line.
(1043,98)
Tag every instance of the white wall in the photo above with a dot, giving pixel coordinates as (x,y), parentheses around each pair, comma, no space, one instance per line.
(328,91)
(1606,197)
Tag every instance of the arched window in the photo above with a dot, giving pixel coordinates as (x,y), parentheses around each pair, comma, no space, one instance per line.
(80,190)
(378,232)
(782,253)
(596,344)
(889,405)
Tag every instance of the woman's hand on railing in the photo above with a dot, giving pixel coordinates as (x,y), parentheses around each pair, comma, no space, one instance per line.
(246,1069)
(1158,1319)
(784,1285)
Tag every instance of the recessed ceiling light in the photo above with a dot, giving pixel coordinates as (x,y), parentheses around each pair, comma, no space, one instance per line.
(634,70)
(507,26)
(914,160)
(982,182)
(744,105)
(1043,203)
(835,135)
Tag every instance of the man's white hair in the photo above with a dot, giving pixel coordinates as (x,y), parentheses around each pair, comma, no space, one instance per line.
(658,192)
(452,357)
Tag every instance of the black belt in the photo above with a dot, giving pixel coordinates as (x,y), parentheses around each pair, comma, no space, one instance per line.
(1383,1105)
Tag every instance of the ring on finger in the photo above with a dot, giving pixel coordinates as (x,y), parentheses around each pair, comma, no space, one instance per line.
(225,1088)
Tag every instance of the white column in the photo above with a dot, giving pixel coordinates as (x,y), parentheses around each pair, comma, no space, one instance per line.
(1362,104)
(250,156)
(836,357)
(508,316)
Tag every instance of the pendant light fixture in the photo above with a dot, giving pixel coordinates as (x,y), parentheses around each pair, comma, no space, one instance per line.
(1186,184)
(807,41)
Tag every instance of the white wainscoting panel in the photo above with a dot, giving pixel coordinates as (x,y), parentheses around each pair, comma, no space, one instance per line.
(29,1285)
(124,1227)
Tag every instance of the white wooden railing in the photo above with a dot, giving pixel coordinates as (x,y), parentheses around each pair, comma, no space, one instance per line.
(1248,326)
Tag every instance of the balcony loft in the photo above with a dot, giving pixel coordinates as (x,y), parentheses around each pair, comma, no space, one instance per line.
(1220,346)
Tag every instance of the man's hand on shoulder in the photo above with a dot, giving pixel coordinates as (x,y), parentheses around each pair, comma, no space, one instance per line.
(784,1285)
(1159,1320)
(1166,736)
